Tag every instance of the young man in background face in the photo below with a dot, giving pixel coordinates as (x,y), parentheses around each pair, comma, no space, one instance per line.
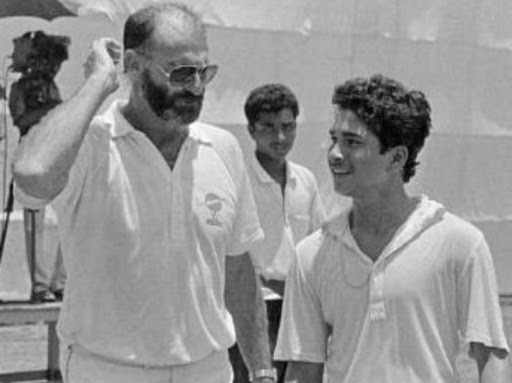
(286,195)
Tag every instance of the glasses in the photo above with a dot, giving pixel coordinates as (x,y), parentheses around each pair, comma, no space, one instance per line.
(185,75)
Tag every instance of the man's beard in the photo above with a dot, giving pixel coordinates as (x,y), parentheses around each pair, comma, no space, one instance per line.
(182,105)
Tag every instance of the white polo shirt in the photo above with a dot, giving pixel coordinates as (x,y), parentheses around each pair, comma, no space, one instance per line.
(285,220)
(398,319)
(145,247)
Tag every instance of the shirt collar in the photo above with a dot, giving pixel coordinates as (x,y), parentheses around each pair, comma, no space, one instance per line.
(337,226)
(264,177)
(426,214)
(115,120)
(120,127)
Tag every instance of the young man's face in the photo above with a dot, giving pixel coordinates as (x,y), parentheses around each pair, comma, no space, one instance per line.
(354,157)
(274,133)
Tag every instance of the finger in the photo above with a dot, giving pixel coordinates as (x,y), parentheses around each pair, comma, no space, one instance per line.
(113,48)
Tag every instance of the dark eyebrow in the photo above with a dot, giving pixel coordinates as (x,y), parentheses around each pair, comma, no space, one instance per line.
(351,135)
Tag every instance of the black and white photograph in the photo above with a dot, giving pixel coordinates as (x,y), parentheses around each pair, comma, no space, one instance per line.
(295,191)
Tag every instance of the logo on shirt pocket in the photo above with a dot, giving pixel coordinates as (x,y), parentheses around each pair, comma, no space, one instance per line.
(214,204)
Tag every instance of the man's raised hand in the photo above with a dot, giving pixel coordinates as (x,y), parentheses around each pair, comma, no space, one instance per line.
(105,54)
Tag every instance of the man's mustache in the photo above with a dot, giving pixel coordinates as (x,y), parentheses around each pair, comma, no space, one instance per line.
(188,96)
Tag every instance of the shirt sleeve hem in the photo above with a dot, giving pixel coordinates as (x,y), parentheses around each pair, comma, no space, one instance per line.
(487,341)
(300,358)
(28,201)
(247,242)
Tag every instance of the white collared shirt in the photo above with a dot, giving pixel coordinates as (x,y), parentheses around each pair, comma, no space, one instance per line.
(144,246)
(285,220)
(397,319)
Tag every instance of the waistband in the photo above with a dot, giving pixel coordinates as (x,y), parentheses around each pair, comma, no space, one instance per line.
(272,288)
(79,350)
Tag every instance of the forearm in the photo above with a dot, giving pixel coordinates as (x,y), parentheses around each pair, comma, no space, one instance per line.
(31,117)
(245,302)
(304,372)
(497,370)
(252,333)
(494,364)
(47,152)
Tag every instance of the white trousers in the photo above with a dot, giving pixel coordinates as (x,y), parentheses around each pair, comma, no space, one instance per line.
(78,366)
(48,267)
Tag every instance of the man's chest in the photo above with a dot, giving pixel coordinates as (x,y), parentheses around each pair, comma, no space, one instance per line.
(198,194)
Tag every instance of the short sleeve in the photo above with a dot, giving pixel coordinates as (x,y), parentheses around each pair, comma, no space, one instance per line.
(303,332)
(67,198)
(74,184)
(479,314)
(246,229)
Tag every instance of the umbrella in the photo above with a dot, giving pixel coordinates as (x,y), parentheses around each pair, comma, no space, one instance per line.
(51,9)
(45,9)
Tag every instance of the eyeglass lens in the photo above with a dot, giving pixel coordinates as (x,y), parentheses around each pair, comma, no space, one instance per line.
(185,74)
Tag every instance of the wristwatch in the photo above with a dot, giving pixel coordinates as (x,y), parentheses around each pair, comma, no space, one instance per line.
(263,373)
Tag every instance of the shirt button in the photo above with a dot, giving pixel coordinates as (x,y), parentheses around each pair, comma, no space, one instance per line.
(377,311)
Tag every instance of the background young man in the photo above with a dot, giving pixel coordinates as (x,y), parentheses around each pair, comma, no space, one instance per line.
(286,195)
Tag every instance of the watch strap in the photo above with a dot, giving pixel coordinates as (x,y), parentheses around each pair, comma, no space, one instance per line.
(263,373)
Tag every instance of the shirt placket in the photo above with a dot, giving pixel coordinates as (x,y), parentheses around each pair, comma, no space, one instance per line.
(286,208)
(286,197)
(178,233)
(378,309)
(377,305)
(282,254)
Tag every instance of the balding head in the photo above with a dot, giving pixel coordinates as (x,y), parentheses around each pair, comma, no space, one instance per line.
(175,23)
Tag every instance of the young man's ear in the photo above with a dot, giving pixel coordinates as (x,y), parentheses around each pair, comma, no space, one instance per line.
(251,129)
(399,155)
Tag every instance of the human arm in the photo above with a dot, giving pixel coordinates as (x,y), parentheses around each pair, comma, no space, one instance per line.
(47,152)
(494,365)
(304,331)
(245,303)
(304,372)
(479,314)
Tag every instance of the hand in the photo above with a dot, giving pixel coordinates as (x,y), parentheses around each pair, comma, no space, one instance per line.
(105,54)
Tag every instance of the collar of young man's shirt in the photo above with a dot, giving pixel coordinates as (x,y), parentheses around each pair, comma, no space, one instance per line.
(264,177)
(426,214)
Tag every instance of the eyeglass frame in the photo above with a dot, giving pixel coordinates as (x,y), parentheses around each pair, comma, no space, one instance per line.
(199,69)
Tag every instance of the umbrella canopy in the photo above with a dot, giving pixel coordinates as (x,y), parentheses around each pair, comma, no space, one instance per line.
(245,14)
(45,9)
